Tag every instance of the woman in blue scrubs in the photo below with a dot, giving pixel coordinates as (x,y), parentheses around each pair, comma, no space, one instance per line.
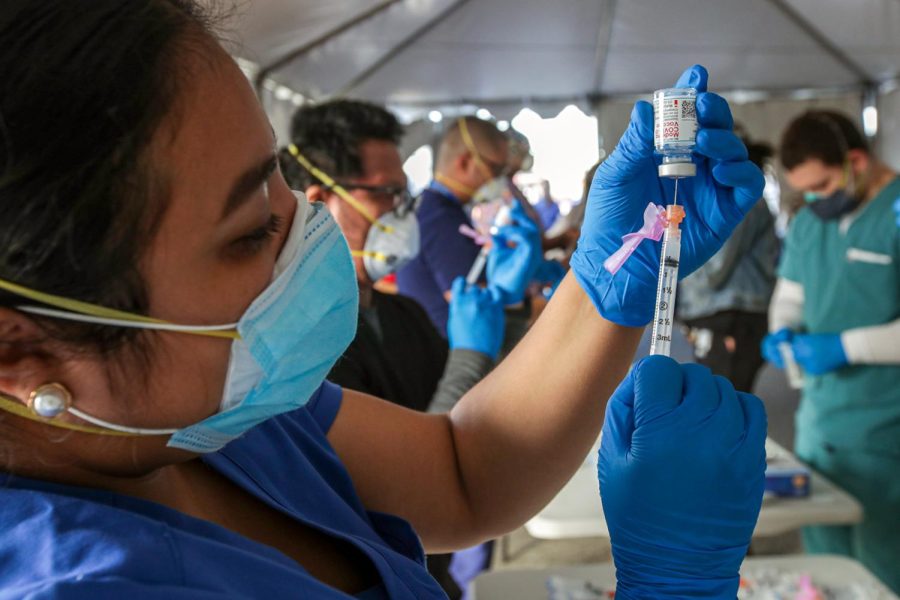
(169,310)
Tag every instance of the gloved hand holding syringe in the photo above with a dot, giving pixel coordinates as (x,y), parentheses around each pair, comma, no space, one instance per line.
(511,248)
(674,134)
(501,218)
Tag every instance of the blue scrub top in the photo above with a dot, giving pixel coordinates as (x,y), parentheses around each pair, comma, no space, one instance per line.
(59,541)
(444,255)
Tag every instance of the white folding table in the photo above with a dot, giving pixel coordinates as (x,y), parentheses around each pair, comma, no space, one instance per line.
(576,511)
(531,584)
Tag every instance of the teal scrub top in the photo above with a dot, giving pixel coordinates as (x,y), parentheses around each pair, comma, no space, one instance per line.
(850,278)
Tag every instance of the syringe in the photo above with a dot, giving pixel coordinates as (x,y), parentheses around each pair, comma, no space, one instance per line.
(503,218)
(664,322)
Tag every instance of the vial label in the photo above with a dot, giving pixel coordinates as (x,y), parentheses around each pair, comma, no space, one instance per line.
(675,120)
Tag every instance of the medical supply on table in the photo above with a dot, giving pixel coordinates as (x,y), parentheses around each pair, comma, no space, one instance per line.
(501,218)
(661,339)
(675,130)
(787,477)
(775,584)
(573,588)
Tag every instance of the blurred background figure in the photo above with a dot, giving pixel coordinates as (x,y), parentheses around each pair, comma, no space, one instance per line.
(397,353)
(836,310)
(724,304)
(547,209)
(466,160)
(520,160)
(564,235)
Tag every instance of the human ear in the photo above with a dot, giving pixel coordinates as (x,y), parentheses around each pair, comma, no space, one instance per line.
(316,193)
(464,162)
(859,161)
(26,361)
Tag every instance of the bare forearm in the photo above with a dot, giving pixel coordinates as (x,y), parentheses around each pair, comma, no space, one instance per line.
(521,433)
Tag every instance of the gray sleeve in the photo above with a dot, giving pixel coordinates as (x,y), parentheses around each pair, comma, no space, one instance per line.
(464,369)
(737,248)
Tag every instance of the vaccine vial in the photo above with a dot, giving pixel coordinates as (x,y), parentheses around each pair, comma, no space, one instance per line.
(675,130)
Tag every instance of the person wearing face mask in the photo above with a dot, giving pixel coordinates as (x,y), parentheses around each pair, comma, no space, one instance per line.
(169,311)
(350,160)
(471,161)
(836,306)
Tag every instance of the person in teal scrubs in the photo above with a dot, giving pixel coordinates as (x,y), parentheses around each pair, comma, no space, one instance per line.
(837,308)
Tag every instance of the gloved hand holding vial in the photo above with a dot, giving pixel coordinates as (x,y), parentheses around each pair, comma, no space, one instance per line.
(691,147)
(674,136)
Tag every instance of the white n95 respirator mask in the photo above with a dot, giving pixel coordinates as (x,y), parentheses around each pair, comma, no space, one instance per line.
(391,243)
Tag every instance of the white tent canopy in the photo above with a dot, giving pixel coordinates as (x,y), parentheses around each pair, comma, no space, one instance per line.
(772,58)
(432,53)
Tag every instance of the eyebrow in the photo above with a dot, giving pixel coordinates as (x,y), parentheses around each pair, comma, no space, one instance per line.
(248,183)
(820,184)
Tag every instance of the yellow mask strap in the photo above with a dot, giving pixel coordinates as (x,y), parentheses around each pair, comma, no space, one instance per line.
(454,185)
(370,254)
(76,310)
(20,410)
(470,146)
(338,189)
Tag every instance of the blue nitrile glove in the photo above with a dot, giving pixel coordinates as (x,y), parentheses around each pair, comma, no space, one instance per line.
(515,256)
(682,471)
(549,274)
(476,319)
(726,186)
(819,353)
(770,346)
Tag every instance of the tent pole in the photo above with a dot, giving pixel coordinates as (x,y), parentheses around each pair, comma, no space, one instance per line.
(603,40)
(398,49)
(822,40)
(320,40)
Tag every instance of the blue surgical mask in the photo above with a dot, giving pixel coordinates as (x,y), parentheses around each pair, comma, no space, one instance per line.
(291,335)
(285,343)
(842,201)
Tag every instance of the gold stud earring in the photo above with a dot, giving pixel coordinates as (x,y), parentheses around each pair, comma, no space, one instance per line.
(50,400)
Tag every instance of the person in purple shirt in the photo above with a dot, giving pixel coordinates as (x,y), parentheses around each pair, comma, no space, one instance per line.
(471,154)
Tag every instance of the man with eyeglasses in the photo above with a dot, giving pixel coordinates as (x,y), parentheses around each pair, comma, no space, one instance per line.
(345,154)
(471,154)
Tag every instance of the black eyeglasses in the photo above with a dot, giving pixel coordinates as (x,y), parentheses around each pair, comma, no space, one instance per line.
(402,202)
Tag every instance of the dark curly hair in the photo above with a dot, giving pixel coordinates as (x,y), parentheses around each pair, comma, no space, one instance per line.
(330,134)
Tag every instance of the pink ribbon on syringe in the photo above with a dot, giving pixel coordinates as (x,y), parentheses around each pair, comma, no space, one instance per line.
(471,232)
(653,229)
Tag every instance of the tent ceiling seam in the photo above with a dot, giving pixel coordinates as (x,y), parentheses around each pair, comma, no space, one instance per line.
(604,39)
(762,93)
(397,50)
(823,41)
(307,47)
